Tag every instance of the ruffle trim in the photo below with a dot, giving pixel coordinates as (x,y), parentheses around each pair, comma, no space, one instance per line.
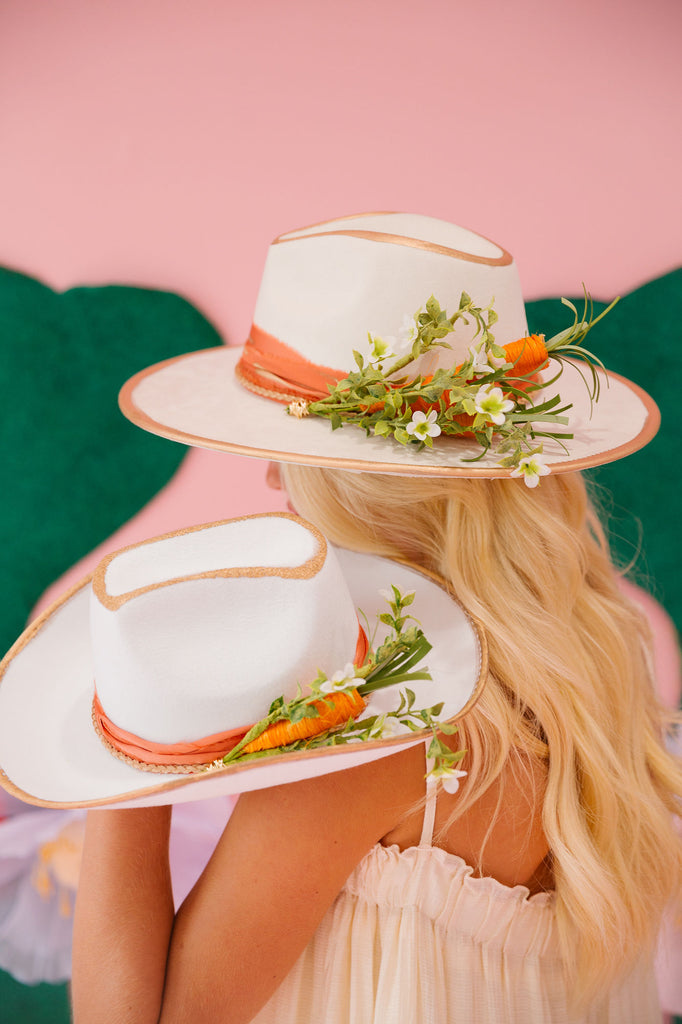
(442,887)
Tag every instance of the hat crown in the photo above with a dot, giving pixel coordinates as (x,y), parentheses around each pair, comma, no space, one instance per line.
(325,287)
(196,633)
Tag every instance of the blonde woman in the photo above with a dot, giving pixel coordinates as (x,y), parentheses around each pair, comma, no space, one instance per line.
(569,789)
(540,894)
(529,889)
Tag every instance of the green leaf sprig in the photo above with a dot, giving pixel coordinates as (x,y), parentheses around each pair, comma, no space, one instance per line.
(396,660)
(489,396)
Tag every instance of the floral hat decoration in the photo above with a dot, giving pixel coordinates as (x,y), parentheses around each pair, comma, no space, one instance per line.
(397,343)
(231,657)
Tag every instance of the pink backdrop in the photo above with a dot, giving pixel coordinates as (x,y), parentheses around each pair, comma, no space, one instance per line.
(165,143)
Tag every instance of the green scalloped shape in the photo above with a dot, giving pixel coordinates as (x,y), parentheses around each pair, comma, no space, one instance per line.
(73,468)
(642,340)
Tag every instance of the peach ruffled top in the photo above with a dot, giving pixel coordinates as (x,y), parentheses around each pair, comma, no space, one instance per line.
(414,938)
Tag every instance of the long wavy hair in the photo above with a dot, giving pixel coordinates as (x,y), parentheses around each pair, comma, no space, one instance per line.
(570,685)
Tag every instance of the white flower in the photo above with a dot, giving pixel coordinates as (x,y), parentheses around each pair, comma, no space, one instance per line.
(380,348)
(394,727)
(482,360)
(407,333)
(449,776)
(341,680)
(387,726)
(421,426)
(491,401)
(531,468)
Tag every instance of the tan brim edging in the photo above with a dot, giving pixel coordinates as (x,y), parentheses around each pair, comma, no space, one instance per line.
(195,399)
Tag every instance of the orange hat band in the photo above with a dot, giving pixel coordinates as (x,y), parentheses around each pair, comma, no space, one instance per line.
(202,751)
(273,369)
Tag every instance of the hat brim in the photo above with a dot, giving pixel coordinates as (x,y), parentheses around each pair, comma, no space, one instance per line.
(196,399)
(51,756)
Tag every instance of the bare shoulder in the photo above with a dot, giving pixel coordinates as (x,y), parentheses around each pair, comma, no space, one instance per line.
(499,833)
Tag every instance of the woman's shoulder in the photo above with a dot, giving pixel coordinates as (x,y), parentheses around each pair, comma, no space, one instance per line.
(499,833)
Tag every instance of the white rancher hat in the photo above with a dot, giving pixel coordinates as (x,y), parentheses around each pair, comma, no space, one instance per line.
(127,689)
(324,288)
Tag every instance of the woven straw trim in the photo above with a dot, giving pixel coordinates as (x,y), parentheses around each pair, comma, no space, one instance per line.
(157,769)
(279,396)
(304,571)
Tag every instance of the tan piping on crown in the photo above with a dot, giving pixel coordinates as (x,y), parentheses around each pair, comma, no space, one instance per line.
(306,570)
(504,259)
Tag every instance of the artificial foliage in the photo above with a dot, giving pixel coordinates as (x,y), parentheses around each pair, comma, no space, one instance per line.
(492,396)
(336,710)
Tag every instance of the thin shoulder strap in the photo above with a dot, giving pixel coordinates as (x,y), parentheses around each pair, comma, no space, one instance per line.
(430,808)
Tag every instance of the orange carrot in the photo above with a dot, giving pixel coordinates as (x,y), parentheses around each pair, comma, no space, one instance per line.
(530,352)
(336,711)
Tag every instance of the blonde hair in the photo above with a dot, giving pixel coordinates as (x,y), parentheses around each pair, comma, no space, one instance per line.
(569,685)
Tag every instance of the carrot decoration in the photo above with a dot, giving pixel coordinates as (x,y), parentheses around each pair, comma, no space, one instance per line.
(333,711)
(528,355)
(492,397)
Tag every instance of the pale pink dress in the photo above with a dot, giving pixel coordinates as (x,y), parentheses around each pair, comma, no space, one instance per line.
(413,938)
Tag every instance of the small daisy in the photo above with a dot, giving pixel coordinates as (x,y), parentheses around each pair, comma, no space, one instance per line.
(421,425)
(482,361)
(449,777)
(391,596)
(341,680)
(298,408)
(407,333)
(531,468)
(388,726)
(392,726)
(493,404)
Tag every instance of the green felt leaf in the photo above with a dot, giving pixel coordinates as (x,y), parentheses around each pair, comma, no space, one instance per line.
(641,339)
(73,468)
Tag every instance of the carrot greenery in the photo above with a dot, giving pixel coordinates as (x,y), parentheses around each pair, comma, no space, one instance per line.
(337,710)
(493,397)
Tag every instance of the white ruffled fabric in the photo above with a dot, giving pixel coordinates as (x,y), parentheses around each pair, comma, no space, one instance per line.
(413,938)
